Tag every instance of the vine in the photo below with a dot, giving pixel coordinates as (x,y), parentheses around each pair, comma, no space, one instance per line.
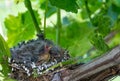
(29,7)
(59,26)
(45,17)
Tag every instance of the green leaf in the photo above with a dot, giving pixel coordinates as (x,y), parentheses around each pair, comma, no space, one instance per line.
(98,42)
(20,28)
(50,9)
(104,25)
(74,36)
(17,1)
(94,5)
(4,55)
(68,5)
(116,2)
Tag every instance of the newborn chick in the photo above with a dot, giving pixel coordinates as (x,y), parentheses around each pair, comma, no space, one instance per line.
(44,57)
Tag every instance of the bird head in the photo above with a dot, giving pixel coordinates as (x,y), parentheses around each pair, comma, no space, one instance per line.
(47,48)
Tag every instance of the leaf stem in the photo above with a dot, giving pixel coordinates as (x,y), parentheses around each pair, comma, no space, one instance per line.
(29,7)
(45,17)
(59,26)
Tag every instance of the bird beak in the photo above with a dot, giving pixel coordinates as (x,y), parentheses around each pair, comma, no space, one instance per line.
(49,47)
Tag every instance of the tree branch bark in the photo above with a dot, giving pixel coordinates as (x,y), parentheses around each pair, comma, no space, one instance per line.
(110,59)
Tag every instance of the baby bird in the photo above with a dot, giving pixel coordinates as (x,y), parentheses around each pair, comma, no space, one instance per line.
(44,57)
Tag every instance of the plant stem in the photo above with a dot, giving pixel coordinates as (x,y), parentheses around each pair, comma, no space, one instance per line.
(29,7)
(45,17)
(59,26)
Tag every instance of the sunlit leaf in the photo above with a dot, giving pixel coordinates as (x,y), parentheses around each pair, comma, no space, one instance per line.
(50,9)
(17,1)
(20,28)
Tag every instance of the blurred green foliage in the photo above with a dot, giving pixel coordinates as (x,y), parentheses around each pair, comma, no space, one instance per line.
(85,24)
(4,55)
(65,4)
(98,41)
(50,9)
(89,26)
(74,37)
(20,28)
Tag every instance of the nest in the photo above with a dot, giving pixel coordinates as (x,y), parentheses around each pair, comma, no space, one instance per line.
(25,62)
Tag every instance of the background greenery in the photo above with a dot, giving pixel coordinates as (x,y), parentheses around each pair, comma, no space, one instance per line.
(85,24)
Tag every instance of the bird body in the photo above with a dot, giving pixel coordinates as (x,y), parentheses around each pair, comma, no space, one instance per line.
(45,56)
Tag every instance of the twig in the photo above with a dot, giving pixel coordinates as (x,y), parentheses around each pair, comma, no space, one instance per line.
(45,17)
(29,7)
(59,26)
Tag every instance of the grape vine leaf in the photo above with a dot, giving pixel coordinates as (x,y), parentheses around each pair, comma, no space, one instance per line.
(20,28)
(104,26)
(4,55)
(98,42)
(50,9)
(116,2)
(68,5)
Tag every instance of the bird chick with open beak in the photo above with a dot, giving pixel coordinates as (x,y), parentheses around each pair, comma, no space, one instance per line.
(44,57)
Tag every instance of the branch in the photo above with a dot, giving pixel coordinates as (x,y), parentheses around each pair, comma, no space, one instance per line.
(45,13)
(29,7)
(106,61)
(59,26)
